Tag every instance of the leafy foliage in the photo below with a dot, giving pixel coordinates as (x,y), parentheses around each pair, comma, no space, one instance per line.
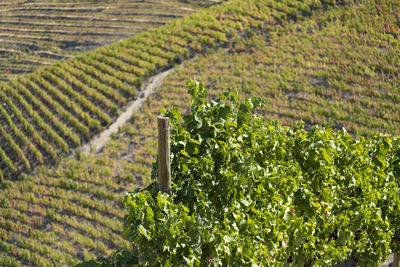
(246,191)
(72,94)
(72,212)
(315,70)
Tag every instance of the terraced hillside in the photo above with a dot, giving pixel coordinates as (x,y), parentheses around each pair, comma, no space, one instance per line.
(73,211)
(333,68)
(62,106)
(36,33)
(65,215)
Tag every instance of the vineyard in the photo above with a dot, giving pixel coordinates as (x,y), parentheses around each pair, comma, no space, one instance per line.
(80,96)
(248,191)
(63,216)
(39,33)
(333,69)
(261,67)
(309,60)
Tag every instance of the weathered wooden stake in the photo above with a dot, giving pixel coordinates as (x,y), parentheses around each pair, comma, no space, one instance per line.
(164,164)
(396,260)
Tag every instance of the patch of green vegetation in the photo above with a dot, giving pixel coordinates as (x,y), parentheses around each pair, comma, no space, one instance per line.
(334,69)
(329,67)
(78,97)
(245,191)
(54,214)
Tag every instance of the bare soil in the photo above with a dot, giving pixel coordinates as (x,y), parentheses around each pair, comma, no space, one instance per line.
(147,89)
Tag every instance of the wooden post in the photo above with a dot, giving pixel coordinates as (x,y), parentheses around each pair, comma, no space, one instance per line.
(396,260)
(164,164)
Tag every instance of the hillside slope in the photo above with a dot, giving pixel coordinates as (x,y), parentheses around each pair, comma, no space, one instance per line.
(72,212)
(335,69)
(77,98)
(36,33)
(318,70)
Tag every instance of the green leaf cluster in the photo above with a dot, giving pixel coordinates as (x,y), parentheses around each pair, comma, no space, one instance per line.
(250,192)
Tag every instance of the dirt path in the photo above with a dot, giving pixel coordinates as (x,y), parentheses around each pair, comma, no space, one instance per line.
(147,89)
